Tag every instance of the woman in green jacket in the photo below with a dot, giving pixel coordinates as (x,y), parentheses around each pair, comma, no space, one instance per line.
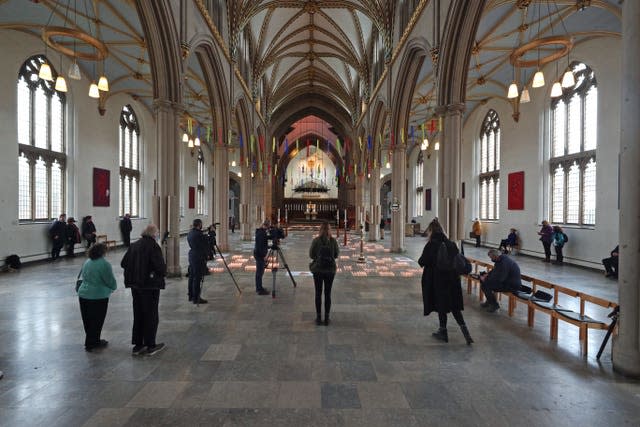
(324,251)
(98,282)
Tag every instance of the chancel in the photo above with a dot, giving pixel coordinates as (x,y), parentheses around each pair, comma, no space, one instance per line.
(336,123)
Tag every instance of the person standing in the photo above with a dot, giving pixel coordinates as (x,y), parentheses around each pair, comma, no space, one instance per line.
(232,220)
(98,282)
(144,273)
(323,251)
(559,239)
(72,236)
(441,290)
(88,229)
(199,249)
(260,251)
(382,224)
(546,237)
(57,233)
(476,230)
(125,229)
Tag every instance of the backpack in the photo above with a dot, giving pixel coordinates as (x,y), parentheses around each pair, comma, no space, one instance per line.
(325,256)
(566,238)
(457,263)
(13,262)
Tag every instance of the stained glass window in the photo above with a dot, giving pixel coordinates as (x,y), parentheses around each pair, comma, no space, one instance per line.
(129,137)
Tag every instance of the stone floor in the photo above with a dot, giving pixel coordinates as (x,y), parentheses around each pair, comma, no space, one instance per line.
(253,360)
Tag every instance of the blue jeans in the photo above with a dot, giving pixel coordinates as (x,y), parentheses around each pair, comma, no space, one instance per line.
(195,282)
(260,265)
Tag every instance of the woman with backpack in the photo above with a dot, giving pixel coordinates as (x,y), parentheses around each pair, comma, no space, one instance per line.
(441,290)
(323,252)
(559,239)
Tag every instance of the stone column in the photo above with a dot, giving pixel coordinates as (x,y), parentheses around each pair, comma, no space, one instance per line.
(626,346)
(167,212)
(246,228)
(221,194)
(267,195)
(450,212)
(398,179)
(359,202)
(374,198)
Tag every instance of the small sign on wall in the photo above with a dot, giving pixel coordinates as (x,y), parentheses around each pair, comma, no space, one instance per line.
(101,187)
(427,199)
(516,191)
(192,197)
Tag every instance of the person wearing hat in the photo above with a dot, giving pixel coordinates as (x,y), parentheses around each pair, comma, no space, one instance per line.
(260,253)
(72,236)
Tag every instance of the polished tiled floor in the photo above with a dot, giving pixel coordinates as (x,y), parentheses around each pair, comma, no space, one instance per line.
(253,360)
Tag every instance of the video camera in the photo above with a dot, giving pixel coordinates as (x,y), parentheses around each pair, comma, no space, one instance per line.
(276,234)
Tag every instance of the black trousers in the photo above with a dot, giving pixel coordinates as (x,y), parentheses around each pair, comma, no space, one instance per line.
(325,280)
(478,236)
(93,313)
(489,292)
(547,250)
(57,247)
(559,256)
(442,318)
(611,265)
(126,238)
(145,316)
(196,274)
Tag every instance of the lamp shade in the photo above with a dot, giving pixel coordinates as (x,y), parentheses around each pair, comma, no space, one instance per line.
(538,79)
(45,72)
(387,165)
(93,90)
(103,84)
(513,91)
(74,71)
(196,142)
(425,144)
(185,137)
(240,174)
(61,84)
(556,90)
(190,143)
(437,146)
(233,163)
(568,79)
(524,97)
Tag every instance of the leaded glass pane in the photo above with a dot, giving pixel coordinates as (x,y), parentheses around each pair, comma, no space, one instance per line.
(591,119)
(483,199)
(491,151)
(497,193)
(24,189)
(56,124)
(589,194)
(127,195)
(134,197)
(41,190)
(557,197)
(559,129)
(40,118)
(24,118)
(498,149)
(491,199)
(120,196)
(483,153)
(134,151)
(573,194)
(121,146)
(56,190)
(127,148)
(575,124)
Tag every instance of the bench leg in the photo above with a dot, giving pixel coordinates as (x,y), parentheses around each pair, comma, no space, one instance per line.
(469,285)
(512,305)
(530,314)
(585,339)
(554,327)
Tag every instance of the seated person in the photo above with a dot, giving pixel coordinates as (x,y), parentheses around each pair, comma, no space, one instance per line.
(510,242)
(611,264)
(504,277)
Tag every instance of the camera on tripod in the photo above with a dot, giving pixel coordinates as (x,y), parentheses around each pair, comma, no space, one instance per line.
(275,234)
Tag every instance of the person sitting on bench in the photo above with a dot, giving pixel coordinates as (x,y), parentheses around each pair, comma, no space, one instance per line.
(504,277)
(611,264)
(510,242)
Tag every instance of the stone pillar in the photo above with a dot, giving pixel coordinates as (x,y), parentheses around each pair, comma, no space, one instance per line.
(359,202)
(167,213)
(221,194)
(376,209)
(258,209)
(398,184)
(267,197)
(246,226)
(450,212)
(626,346)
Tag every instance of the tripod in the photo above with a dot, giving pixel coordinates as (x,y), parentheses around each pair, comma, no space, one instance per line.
(274,256)
(227,266)
(614,319)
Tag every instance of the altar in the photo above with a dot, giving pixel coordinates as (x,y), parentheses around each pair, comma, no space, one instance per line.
(310,212)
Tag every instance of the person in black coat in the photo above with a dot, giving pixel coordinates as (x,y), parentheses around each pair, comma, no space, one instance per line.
(199,244)
(144,272)
(72,236)
(441,290)
(57,233)
(504,277)
(211,236)
(125,229)
(611,264)
(260,251)
(88,229)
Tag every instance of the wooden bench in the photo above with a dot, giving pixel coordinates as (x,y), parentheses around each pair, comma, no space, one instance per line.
(102,238)
(556,308)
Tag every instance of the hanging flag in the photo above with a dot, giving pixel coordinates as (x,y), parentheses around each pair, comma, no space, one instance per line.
(208,134)
(422,126)
(369,143)
(392,141)
(432,125)
(439,124)
(402,136)
(360,142)
(273,145)
(413,139)
(253,143)
(338,145)
(190,125)
(229,137)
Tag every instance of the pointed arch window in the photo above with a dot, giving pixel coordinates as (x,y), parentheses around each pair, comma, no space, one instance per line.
(129,136)
(41,144)
(489,166)
(201,208)
(418,179)
(572,165)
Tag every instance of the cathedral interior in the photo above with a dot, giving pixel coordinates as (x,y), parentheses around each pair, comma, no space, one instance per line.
(376,116)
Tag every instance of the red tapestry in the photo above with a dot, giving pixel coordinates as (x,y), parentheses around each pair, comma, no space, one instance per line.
(516,191)
(101,187)
(192,197)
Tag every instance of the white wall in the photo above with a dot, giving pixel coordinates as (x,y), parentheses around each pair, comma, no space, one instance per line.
(92,141)
(524,147)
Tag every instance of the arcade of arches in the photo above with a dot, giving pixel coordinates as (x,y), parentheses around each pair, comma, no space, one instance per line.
(307,111)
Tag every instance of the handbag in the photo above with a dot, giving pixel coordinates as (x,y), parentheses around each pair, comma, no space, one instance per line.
(79,280)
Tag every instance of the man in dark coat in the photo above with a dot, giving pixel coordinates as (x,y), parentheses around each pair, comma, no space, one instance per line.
(72,236)
(57,233)
(144,272)
(260,251)
(125,229)
(611,264)
(504,277)
(441,289)
(199,244)
(88,229)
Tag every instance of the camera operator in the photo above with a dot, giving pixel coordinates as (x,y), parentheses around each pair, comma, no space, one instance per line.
(259,253)
(199,244)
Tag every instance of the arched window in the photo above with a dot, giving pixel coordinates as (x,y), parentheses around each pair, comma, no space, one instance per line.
(574,128)
(129,162)
(41,144)
(418,179)
(201,208)
(489,166)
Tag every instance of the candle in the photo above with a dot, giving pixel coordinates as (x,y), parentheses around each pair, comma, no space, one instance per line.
(345,216)
(278,215)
